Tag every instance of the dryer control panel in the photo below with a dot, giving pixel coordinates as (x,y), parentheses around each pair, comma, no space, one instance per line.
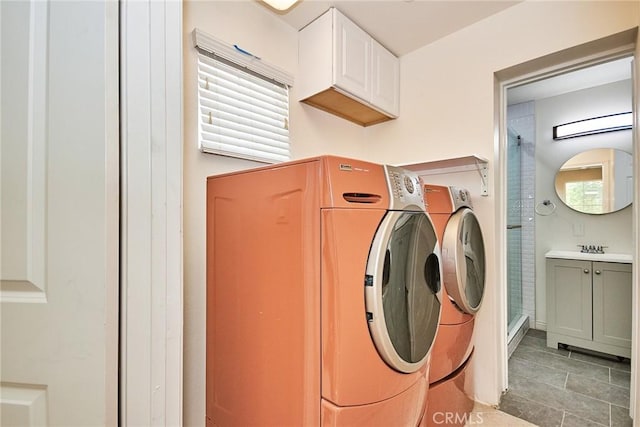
(405,188)
(460,198)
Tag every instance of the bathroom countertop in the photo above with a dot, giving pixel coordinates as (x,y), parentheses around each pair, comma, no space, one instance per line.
(606,257)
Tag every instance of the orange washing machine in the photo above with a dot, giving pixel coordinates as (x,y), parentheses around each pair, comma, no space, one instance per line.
(323,295)
(463,259)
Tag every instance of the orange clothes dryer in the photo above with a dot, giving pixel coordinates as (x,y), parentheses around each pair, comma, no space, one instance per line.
(463,259)
(323,295)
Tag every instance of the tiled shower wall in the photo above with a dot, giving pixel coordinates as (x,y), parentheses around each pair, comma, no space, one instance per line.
(521,120)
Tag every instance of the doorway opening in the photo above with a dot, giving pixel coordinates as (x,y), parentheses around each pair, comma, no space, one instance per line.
(537,221)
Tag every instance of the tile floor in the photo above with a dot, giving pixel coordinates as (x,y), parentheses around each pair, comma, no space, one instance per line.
(488,416)
(566,387)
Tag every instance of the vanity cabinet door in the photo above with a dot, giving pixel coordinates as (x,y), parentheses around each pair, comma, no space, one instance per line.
(612,303)
(569,298)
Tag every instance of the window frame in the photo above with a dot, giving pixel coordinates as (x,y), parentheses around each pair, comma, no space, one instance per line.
(243,103)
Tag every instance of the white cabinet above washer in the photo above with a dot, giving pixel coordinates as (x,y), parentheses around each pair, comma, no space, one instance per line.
(344,71)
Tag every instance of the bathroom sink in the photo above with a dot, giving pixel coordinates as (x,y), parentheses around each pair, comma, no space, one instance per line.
(607,257)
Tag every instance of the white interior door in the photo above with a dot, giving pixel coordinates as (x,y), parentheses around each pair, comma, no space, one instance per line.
(59,212)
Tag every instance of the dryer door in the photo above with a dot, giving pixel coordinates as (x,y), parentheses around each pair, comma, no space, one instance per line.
(464,260)
(402,289)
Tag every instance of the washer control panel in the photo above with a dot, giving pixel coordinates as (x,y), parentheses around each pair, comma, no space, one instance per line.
(405,187)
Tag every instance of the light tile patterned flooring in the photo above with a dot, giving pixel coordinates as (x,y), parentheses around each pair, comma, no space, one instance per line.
(566,387)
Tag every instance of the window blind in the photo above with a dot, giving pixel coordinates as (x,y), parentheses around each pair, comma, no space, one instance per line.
(242,113)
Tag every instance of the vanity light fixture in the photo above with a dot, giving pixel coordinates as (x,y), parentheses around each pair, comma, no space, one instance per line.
(610,123)
(280,4)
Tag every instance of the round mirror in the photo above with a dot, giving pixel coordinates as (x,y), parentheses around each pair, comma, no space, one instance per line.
(596,181)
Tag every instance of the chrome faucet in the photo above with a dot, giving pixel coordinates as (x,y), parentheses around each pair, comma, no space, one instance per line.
(592,249)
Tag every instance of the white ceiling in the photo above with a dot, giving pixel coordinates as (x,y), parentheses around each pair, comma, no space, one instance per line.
(403,26)
(400,25)
(596,75)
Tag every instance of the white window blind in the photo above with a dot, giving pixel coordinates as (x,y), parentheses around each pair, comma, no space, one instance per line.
(242,114)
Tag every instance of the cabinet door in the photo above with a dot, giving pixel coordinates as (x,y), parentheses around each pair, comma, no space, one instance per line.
(569,298)
(352,61)
(385,79)
(612,303)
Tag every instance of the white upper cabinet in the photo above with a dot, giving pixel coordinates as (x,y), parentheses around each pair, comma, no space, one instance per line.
(385,78)
(352,57)
(344,71)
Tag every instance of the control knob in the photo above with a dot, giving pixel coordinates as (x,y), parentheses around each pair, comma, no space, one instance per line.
(408,184)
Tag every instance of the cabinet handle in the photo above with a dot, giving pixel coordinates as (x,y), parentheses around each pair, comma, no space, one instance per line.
(586,271)
(597,271)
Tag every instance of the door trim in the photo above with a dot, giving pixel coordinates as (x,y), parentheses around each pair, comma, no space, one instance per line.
(634,410)
(112,194)
(151,212)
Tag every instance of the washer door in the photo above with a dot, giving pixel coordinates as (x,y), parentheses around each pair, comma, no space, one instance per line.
(402,289)
(464,260)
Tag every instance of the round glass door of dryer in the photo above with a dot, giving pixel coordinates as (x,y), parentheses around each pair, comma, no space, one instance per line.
(403,289)
(463,258)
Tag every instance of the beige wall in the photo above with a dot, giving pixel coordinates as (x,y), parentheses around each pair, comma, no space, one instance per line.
(447,109)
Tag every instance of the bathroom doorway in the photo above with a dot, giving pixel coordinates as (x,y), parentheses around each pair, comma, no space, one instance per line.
(540,377)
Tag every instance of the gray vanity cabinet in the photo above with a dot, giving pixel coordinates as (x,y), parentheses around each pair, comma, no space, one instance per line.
(569,298)
(612,304)
(589,305)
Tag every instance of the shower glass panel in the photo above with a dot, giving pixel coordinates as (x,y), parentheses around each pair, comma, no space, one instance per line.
(514,231)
